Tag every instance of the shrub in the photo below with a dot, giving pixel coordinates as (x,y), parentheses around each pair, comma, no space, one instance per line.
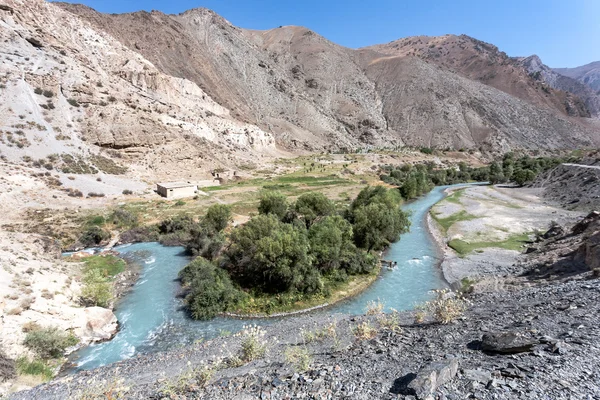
(179,203)
(48,93)
(93,236)
(374,307)
(73,102)
(365,331)
(254,345)
(446,307)
(298,357)
(127,192)
(38,90)
(97,289)
(49,342)
(35,368)
(94,194)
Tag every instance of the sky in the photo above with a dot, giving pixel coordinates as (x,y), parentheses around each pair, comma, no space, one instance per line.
(563,33)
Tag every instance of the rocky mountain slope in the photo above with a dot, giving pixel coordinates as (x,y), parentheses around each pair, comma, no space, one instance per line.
(588,74)
(67,88)
(313,94)
(573,186)
(540,72)
(484,62)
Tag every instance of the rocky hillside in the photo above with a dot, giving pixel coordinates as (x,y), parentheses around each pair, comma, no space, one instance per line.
(70,90)
(573,186)
(540,72)
(484,62)
(588,74)
(311,93)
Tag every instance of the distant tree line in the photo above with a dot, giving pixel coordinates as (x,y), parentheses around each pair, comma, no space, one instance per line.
(415,180)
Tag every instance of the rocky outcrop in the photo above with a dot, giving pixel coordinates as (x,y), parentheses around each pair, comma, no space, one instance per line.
(588,74)
(100,325)
(585,101)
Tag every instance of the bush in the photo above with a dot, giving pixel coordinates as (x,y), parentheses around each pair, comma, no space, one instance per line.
(93,236)
(73,102)
(35,368)
(209,290)
(38,90)
(97,290)
(48,93)
(298,357)
(94,194)
(49,342)
(254,345)
(446,307)
(127,192)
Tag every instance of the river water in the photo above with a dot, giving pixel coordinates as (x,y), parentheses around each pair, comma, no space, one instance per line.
(152,319)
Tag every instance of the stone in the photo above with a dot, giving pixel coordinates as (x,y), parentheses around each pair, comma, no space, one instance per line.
(100,325)
(477,375)
(432,376)
(506,343)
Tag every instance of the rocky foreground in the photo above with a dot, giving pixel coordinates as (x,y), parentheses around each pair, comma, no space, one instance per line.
(536,338)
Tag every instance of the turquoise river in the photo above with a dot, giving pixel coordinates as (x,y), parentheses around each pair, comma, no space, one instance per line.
(152,320)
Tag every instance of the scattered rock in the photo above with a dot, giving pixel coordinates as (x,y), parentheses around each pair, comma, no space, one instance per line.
(506,343)
(477,375)
(432,376)
(101,324)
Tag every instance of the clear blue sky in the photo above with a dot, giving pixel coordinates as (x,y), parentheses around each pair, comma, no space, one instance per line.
(563,33)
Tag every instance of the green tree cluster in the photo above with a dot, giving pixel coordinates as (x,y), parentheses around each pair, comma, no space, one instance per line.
(295,248)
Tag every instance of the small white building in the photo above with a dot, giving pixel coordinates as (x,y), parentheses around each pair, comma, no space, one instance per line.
(174,190)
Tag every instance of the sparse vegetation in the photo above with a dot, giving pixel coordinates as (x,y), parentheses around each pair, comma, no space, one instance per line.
(49,342)
(298,357)
(254,345)
(445,307)
(365,331)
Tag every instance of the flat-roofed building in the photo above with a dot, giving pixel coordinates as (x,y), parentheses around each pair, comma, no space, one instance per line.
(173,190)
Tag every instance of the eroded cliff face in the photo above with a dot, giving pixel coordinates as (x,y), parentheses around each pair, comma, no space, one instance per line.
(68,88)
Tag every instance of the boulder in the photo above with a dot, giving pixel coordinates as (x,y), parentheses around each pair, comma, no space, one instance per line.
(100,324)
(583,225)
(506,343)
(556,230)
(432,376)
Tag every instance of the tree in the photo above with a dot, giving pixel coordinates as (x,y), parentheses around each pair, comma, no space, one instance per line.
(331,242)
(272,256)
(377,218)
(217,217)
(209,289)
(273,203)
(49,342)
(313,205)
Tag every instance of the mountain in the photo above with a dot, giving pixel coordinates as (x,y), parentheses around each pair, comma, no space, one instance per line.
(485,63)
(538,71)
(588,74)
(177,95)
